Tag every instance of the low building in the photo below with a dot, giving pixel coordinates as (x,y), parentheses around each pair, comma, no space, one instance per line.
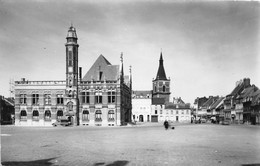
(141,106)
(6,110)
(198,103)
(177,112)
(216,109)
(205,111)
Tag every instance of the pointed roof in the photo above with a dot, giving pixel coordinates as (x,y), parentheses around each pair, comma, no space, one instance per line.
(102,65)
(216,103)
(161,72)
(210,101)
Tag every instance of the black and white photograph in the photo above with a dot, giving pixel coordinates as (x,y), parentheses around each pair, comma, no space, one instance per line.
(133,82)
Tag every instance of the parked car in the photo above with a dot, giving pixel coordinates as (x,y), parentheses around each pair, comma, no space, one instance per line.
(62,122)
(213,119)
(225,122)
(197,121)
(203,120)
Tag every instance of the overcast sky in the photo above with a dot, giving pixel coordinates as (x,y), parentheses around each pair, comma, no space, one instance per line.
(206,46)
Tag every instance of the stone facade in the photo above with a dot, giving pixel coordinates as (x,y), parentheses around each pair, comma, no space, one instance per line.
(99,99)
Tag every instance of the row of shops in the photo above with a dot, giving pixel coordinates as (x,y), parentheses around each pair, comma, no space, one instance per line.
(241,106)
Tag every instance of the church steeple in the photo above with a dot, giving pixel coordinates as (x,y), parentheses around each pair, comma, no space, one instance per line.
(161,72)
(161,85)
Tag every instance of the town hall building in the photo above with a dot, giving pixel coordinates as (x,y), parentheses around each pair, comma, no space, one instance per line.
(101,98)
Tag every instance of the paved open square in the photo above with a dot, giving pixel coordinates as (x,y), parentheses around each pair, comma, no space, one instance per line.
(146,144)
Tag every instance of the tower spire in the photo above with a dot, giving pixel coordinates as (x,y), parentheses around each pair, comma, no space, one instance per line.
(161,72)
(130,71)
(122,68)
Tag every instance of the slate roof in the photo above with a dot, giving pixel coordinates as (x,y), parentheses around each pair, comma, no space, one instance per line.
(142,92)
(256,98)
(246,92)
(177,106)
(109,72)
(158,101)
(237,89)
(200,101)
(161,72)
(210,101)
(216,103)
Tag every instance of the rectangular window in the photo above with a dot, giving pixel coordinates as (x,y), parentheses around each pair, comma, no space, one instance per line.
(35,99)
(70,58)
(160,111)
(98,98)
(177,112)
(59,98)
(47,99)
(111,97)
(23,99)
(171,111)
(155,112)
(85,97)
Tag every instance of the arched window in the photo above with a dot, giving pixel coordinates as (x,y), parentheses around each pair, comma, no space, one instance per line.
(111,115)
(35,115)
(23,115)
(164,88)
(98,115)
(59,114)
(70,106)
(47,115)
(85,115)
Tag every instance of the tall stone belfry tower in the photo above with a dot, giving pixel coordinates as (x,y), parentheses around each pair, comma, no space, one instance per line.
(161,85)
(71,70)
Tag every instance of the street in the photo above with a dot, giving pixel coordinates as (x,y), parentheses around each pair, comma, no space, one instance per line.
(187,144)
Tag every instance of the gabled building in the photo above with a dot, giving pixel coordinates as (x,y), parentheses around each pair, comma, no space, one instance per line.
(244,100)
(198,103)
(255,107)
(216,109)
(242,106)
(101,98)
(206,107)
(230,110)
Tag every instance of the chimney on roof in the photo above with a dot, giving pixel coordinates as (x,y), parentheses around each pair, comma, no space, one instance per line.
(246,82)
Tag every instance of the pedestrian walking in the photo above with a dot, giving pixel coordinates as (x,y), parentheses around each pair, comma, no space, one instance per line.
(166,124)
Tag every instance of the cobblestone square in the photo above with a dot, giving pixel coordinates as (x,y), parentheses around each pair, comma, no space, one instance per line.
(146,144)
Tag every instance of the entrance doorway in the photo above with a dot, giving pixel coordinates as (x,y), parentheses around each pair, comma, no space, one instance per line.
(71,120)
(141,118)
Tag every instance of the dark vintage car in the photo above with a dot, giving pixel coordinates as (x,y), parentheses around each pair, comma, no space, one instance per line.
(62,122)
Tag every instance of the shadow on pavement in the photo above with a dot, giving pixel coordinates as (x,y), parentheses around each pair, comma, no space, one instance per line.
(250,165)
(115,163)
(45,162)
